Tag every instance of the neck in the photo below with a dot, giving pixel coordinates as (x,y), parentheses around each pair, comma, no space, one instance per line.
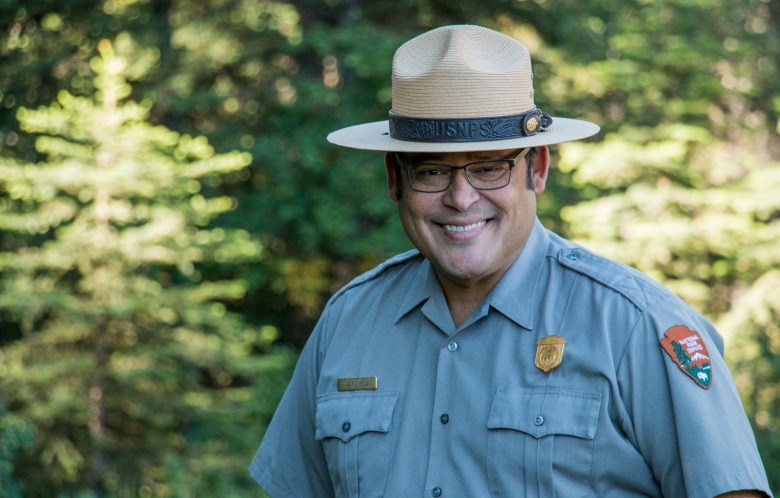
(464,297)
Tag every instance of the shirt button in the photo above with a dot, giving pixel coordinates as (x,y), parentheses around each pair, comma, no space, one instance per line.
(436,492)
(538,420)
(345,427)
(571,255)
(453,346)
(444,418)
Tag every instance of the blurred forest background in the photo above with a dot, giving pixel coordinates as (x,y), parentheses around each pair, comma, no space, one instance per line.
(172,218)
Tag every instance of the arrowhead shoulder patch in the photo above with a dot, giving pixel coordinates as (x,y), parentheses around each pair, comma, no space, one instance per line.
(687,349)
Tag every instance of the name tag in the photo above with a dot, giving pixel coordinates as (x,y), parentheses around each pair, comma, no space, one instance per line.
(358,384)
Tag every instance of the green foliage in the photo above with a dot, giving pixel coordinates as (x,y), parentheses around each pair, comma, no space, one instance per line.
(128,349)
(755,318)
(15,435)
(152,252)
(683,185)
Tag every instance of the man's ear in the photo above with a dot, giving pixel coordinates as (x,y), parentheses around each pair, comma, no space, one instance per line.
(393,170)
(540,167)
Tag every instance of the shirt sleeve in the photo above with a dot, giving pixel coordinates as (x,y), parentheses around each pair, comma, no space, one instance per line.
(289,461)
(686,420)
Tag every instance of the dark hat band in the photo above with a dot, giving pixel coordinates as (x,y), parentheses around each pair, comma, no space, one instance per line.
(469,129)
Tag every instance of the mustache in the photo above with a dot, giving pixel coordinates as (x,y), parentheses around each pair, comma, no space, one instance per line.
(466,218)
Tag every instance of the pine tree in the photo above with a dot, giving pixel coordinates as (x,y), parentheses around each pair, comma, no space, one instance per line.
(682,358)
(124,350)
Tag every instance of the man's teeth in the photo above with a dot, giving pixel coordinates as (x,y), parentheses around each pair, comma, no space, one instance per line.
(466,228)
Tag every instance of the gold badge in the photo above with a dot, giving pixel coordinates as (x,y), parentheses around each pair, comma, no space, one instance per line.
(549,352)
(532,124)
(358,384)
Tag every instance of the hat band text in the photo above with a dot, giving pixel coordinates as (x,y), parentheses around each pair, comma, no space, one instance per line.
(468,129)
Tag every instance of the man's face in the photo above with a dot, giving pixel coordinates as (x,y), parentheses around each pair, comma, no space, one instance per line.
(470,236)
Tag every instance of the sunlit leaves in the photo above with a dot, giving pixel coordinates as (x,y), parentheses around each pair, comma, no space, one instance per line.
(107,285)
(681,182)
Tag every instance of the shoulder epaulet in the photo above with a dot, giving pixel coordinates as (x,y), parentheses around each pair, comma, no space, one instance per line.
(378,270)
(635,286)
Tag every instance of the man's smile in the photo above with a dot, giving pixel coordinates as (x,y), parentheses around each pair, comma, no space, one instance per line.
(465,228)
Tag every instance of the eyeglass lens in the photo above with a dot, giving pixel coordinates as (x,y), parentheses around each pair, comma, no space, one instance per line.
(431,177)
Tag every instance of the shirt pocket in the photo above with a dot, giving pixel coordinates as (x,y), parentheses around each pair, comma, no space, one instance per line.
(541,441)
(355,432)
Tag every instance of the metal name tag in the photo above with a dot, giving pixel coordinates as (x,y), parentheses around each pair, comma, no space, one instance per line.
(358,384)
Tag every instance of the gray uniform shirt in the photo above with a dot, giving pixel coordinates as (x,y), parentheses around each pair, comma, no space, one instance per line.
(638,403)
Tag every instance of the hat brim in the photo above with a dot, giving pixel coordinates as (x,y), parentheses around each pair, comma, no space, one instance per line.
(376,136)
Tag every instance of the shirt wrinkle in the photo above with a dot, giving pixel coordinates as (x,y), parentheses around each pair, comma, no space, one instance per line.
(392,263)
(623,420)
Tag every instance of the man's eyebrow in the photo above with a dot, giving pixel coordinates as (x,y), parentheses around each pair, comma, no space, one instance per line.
(417,158)
(413,157)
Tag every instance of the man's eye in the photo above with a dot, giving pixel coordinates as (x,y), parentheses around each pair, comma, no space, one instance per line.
(489,168)
(430,170)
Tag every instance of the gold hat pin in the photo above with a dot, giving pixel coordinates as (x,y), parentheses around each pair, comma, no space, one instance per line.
(549,352)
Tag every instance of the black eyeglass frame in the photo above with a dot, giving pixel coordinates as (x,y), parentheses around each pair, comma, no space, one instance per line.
(512,162)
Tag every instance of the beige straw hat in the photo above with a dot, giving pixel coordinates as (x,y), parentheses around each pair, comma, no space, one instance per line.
(462,88)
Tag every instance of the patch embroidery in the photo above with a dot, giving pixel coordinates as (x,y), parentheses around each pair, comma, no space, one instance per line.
(688,351)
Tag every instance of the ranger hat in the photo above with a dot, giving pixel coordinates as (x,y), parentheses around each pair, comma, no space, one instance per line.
(462,88)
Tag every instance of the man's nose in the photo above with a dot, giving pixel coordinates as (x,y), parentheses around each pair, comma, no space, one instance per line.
(460,194)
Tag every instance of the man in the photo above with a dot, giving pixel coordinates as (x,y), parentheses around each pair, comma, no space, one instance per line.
(499,359)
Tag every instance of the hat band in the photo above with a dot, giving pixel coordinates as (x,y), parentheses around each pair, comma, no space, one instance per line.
(469,129)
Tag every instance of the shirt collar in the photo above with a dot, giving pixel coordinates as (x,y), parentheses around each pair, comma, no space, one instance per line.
(417,294)
(514,294)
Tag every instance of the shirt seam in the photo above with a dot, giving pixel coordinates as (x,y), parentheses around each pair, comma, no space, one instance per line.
(375,273)
(619,365)
(651,294)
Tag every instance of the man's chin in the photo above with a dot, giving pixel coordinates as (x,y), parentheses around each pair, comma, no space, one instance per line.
(462,273)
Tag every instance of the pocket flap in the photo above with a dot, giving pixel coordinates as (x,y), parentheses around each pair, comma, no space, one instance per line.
(543,412)
(346,415)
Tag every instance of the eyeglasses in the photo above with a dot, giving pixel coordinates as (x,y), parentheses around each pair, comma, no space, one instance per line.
(482,175)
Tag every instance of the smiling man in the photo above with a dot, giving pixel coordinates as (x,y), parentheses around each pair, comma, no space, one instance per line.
(499,359)
(467,224)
